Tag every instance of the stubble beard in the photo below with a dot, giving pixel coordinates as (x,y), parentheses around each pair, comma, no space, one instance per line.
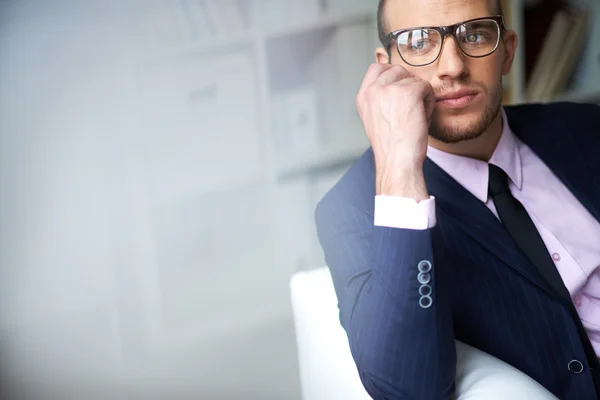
(454,134)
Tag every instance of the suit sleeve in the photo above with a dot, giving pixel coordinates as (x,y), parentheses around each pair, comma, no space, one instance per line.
(399,326)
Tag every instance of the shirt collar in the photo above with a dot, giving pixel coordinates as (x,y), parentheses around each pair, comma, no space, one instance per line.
(473,174)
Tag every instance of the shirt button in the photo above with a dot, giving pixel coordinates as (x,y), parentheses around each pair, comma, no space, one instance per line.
(556,257)
(577,300)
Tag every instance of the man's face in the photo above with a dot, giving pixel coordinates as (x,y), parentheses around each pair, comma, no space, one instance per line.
(453,71)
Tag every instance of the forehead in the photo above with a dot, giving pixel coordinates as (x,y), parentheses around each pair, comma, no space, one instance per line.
(400,14)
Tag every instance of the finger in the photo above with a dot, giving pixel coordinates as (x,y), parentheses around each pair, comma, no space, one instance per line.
(394,74)
(420,86)
(427,93)
(407,81)
(430,105)
(374,71)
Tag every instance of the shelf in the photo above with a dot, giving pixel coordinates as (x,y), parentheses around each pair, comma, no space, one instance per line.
(175,50)
(323,22)
(323,158)
(153,53)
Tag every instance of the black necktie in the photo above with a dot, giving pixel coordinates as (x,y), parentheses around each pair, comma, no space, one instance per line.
(520,226)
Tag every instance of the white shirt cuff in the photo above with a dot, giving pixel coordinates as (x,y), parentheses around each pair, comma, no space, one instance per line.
(404,213)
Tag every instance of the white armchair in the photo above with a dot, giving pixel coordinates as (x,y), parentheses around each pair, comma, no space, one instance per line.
(328,371)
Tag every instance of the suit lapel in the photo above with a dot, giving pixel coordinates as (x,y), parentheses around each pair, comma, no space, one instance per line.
(476,220)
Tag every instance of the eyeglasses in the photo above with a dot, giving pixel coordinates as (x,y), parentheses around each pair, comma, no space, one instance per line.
(476,38)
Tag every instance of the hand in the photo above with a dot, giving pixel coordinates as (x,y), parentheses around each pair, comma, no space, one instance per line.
(396,109)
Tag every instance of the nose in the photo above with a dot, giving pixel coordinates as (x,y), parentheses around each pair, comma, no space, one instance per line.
(452,61)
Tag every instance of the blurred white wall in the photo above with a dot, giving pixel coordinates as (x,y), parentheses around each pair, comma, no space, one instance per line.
(60,117)
(62,112)
(80,306)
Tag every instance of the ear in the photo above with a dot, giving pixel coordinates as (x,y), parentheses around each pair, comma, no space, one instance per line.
(381,55)
(510,40)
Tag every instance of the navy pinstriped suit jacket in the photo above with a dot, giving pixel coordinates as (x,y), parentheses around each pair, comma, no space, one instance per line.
(485,291)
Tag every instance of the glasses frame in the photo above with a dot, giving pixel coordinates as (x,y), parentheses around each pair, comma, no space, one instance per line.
(449,30)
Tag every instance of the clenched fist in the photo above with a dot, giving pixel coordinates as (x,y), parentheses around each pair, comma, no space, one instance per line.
(396,108)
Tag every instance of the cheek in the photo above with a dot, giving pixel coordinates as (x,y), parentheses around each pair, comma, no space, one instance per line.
(423,73)
(427,73)
(487,72)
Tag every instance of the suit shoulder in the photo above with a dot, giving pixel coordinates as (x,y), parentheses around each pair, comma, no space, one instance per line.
(558,120)
(355,189)
(555,111)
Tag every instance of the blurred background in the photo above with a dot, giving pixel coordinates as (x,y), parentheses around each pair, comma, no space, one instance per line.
(160,161)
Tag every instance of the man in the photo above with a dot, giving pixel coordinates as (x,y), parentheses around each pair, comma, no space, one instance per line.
(465,220)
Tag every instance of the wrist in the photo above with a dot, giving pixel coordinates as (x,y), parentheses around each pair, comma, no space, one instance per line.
(402,180)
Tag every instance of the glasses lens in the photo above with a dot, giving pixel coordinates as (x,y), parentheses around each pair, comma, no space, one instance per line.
(419,46)
(478,38)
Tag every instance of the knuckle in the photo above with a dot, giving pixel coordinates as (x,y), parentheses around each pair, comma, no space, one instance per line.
(372,68)
(389,89)
(400,71)
(371,92)
(377,68)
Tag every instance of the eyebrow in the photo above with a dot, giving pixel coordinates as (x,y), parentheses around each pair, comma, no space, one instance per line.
(477,24)
(476,21)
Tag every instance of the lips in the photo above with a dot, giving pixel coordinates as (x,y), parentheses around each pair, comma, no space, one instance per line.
(458,100)
(456,94)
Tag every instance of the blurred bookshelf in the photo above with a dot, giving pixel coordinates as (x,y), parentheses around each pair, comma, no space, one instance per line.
(247,110)
(558,58)
(328,19)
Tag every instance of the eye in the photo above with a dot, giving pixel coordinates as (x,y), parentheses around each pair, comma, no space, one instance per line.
(418,42)
(473,37)
(420,45)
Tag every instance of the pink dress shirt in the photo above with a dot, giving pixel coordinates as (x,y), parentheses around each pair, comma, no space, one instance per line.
(570,232)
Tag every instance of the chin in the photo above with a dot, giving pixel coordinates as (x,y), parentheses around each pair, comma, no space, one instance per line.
(457,127)
(454,134)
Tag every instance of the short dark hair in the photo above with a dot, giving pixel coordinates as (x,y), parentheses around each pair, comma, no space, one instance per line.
(382,28)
